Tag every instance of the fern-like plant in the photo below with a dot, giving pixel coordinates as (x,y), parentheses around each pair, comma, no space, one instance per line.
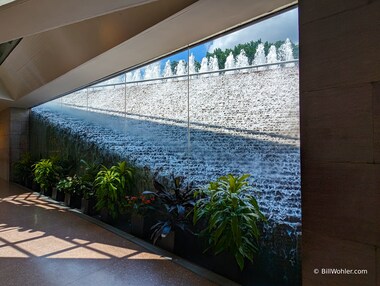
(232,215)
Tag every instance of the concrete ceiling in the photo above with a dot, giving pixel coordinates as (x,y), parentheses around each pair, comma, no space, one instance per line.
(75,42)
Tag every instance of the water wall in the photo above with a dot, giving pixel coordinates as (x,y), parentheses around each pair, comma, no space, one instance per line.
(200,127)
(245,122)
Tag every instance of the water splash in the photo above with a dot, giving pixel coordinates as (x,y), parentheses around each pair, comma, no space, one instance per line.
(181,68)
(137,75)
(204,65)
(213,65)
(260,58)
(192,64)
(128,76)
(242,59)
(168,69)
(285,52)
(230,63)
(152,71)
(272,57)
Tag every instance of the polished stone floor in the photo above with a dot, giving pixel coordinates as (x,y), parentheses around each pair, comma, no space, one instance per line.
(42,243)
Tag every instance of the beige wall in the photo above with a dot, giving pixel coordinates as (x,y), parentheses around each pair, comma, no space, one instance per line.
(340,139)
(14,138)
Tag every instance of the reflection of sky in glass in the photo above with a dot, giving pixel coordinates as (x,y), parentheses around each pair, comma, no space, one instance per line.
(276,28)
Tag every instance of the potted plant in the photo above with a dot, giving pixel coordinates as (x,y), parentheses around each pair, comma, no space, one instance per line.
(139,206)
(23,171)
(232,216)
(90,170)
(46,174)
(175,203)
(112,185)
(73,189)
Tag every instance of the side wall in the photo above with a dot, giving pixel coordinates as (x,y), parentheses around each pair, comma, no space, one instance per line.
(340,140)
(14,137)
(4,144)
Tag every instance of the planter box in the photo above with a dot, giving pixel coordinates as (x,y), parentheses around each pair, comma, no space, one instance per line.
(167,242)
(88,206)
(48,192)
(137,225)
(67,199)
(58,195)
(73,201)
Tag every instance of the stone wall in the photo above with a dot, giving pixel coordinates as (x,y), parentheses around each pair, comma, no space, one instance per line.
(14,136)
(340,136)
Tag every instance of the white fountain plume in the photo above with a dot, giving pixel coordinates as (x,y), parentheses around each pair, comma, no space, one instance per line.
(168,69)
(272,57)
(230,63)
(192,64)
(242,59)
(181,68)
(213,65)
(152,71)
(136,75)
(285,52)
(259,58)
(128,76)
(204,66)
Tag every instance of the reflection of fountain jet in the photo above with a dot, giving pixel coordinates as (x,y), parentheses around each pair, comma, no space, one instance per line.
(213,65)
(230,63)
(204,66)
(128,77)
(260,58)
(272,57)
(285,52)
(181,68)
(152,71)
(168,70)
(241,60)
(192,64)
(136,75)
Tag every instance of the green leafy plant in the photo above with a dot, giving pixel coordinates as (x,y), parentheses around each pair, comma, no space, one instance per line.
(89,172)
(175,203)
(46,173)
(112,185)
(22,170)
(71,185)
(232,215)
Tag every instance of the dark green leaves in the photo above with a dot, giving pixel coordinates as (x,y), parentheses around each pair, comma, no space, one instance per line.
(232,215)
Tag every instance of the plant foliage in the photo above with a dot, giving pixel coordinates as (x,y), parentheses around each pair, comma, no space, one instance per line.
(112,185)
(71,185)
(46,173)
(22,169)
(176,203)
(232,216)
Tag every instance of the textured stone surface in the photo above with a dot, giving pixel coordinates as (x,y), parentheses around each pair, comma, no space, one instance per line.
(323,253)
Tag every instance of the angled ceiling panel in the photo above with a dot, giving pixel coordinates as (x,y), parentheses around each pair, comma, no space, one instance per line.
(58,61)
